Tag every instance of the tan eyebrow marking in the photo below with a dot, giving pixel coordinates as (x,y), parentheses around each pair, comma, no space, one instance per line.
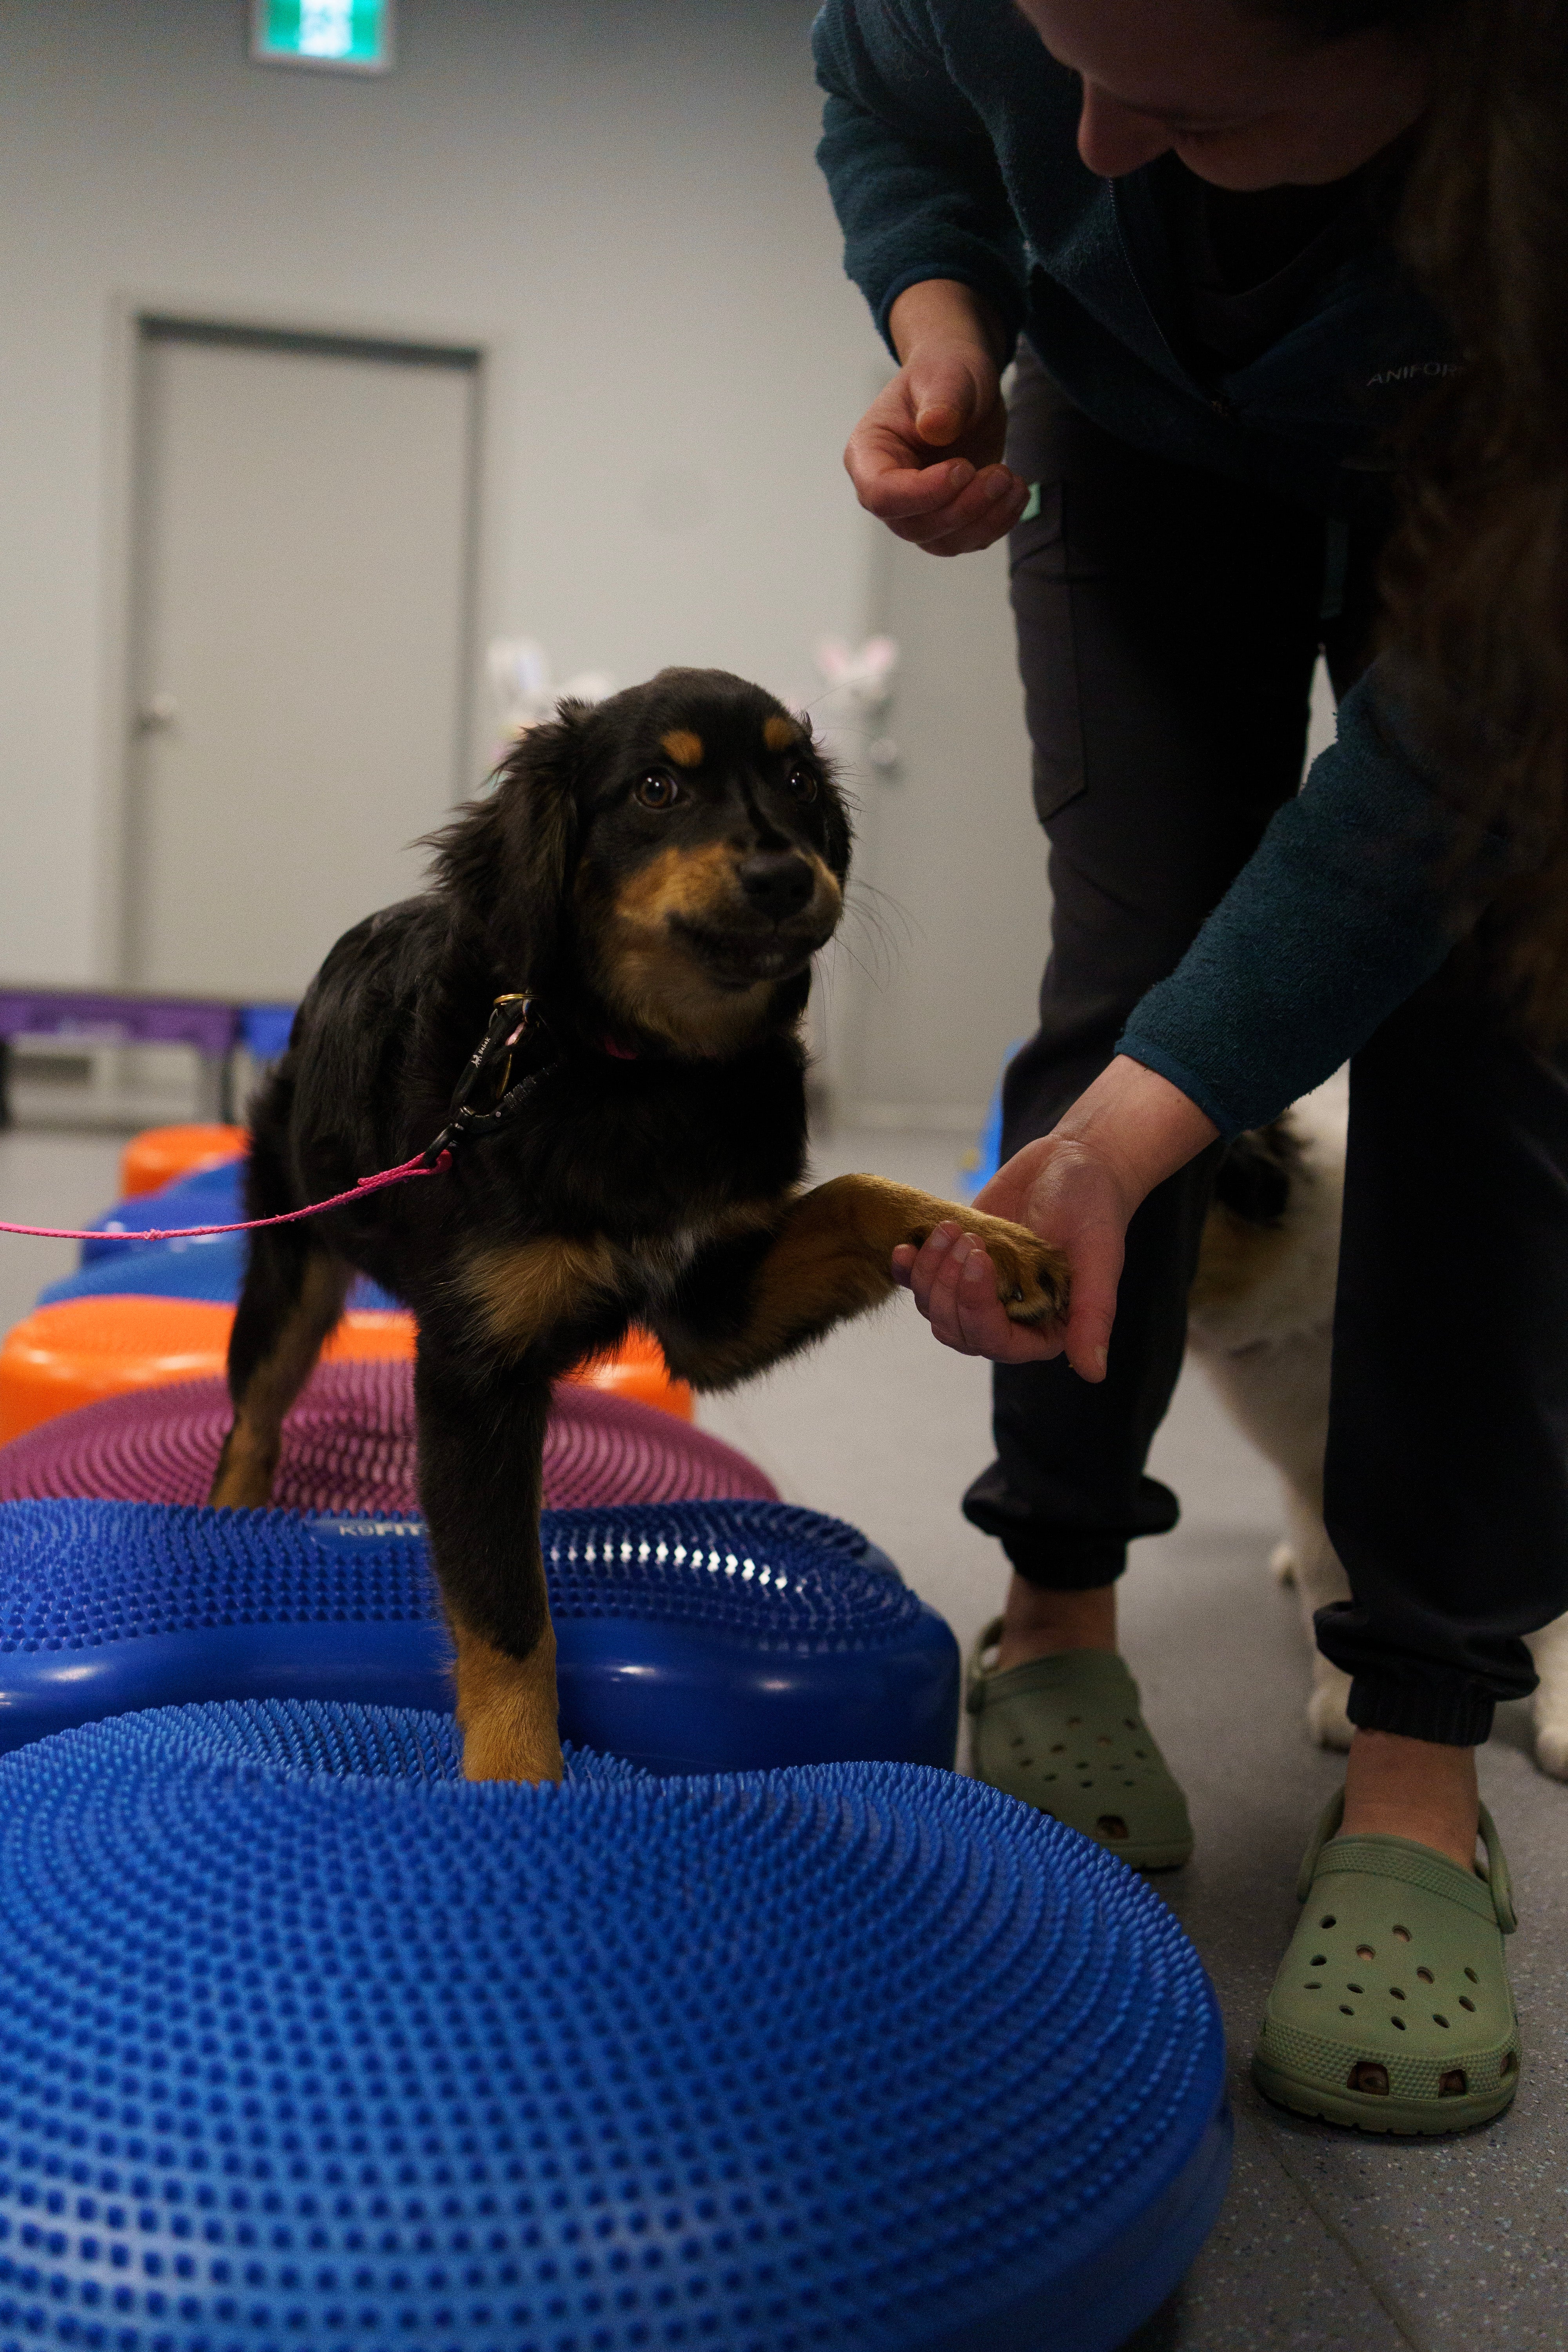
(779,733)
(683,747)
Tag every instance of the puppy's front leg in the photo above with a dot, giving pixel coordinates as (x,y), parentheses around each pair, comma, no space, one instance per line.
(746,1302)
(481,1438)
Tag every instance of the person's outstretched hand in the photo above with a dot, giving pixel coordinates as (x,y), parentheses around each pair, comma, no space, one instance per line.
(925,457)
(1077,1187)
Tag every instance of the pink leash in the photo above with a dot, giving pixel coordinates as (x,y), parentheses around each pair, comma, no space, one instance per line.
(366,1185)
(462,1121)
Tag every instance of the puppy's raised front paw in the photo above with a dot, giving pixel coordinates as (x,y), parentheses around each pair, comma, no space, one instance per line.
(1031,1275)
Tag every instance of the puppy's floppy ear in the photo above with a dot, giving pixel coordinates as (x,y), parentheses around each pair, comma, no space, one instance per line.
(836,810)
(836,821)
(508,859)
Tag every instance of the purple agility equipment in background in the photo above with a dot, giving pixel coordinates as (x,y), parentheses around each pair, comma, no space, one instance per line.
(116,1014)
(348,1445)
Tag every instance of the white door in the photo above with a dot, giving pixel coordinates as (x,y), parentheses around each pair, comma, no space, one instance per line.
(301,588)
(957,914)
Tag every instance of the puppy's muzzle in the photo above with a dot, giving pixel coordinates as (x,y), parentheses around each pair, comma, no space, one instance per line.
(778,883)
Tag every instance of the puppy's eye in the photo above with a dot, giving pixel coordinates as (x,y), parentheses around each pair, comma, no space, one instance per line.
(656,790)
(801,784)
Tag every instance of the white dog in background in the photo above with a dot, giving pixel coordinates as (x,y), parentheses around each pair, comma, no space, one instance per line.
(1261,1321)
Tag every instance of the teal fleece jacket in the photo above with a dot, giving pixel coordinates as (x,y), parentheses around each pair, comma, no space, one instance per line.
(949,149)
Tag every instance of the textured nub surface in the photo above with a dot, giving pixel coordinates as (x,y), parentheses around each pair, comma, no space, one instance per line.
(306,2042)
(74,1575)
(348,1445)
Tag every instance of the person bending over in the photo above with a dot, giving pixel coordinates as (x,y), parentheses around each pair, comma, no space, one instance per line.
(1283,282)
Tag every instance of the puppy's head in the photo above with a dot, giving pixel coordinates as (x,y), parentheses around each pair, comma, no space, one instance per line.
(679,851)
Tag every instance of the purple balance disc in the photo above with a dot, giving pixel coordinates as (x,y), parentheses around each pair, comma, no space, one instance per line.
(348,1445)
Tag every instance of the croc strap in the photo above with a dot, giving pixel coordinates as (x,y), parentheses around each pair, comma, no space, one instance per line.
(1490,1894)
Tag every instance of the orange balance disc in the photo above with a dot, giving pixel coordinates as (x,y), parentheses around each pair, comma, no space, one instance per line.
(83,1349)
(636,1369)
(161,1154)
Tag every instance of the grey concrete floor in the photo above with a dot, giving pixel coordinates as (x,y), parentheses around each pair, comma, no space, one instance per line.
(1328,2242)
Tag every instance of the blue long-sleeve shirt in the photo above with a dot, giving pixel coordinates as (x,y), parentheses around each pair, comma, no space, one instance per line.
(950,148)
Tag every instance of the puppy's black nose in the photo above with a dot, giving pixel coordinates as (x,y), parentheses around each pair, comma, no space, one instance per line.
(778,882)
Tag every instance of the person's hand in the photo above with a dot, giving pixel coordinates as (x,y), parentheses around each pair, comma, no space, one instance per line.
(925,457)
(1065,1193)
(1077,1187)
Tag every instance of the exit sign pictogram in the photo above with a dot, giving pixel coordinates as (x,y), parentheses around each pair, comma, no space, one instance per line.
(345,35)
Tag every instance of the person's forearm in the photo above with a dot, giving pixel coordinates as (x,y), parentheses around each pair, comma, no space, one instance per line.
(1353,900)
(943,309)
(1139,1123)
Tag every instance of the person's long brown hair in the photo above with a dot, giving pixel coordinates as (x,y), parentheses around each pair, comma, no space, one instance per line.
(1475,579)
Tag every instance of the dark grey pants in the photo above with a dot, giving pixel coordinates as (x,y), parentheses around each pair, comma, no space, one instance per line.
(1168,626)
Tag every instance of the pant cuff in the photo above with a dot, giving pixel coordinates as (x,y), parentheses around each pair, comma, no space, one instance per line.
(1447,1709)
(1066,1564)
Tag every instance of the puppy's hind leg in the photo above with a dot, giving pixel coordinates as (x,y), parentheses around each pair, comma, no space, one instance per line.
(293,1295)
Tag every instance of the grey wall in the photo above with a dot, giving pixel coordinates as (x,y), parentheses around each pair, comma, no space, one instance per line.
(618,199)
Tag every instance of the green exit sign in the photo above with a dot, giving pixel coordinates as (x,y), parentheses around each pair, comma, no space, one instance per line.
(345,35)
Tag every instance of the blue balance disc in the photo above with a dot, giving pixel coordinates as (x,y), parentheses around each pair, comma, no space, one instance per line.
(209,1266)
(307,2042)
(691,1637)
(206,1266)
(212,1196)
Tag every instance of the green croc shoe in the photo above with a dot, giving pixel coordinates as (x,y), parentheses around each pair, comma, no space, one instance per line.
(1392,2009)
(1067,1734)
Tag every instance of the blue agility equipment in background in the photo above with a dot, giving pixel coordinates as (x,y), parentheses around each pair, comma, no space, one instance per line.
(212,1196)
(264,1030)
(989,1142)
(691,1637)
(209,1266)
(307,2041)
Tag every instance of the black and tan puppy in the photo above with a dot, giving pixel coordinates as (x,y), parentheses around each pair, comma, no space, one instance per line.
(654,874)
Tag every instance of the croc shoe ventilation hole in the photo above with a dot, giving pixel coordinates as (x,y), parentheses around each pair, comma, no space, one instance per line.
(1366,2075)
(1454,2084)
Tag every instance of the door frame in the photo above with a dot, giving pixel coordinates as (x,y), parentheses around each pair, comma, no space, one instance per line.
(123,540)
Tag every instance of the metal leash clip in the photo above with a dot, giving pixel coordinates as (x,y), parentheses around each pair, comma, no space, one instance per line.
(465,1122)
